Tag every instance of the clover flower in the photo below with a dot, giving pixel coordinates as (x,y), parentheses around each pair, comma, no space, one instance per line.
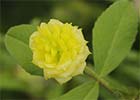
(59,49)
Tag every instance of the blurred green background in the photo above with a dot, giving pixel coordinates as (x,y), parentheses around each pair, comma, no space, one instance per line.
(16,84)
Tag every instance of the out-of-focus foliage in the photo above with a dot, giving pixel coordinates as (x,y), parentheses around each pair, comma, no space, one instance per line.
(129,69)
(15,83)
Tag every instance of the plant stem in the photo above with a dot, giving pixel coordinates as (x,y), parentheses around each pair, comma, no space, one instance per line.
(101,81)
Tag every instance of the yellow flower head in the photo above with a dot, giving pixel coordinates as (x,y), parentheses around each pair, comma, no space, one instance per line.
(59,49)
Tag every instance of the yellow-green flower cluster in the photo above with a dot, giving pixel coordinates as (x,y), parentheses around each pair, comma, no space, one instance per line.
(59,49)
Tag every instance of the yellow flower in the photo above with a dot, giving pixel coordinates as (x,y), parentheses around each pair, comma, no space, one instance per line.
(59,49)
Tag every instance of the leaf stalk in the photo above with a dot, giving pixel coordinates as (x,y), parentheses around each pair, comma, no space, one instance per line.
(100,80)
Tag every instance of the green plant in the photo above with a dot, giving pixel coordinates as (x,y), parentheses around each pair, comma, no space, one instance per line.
(113,35)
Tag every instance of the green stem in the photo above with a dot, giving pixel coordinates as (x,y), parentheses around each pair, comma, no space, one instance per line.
(101,81)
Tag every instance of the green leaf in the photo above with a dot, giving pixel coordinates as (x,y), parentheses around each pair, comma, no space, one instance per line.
(113,36)
(86,91)
(5,59)
(17,43)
